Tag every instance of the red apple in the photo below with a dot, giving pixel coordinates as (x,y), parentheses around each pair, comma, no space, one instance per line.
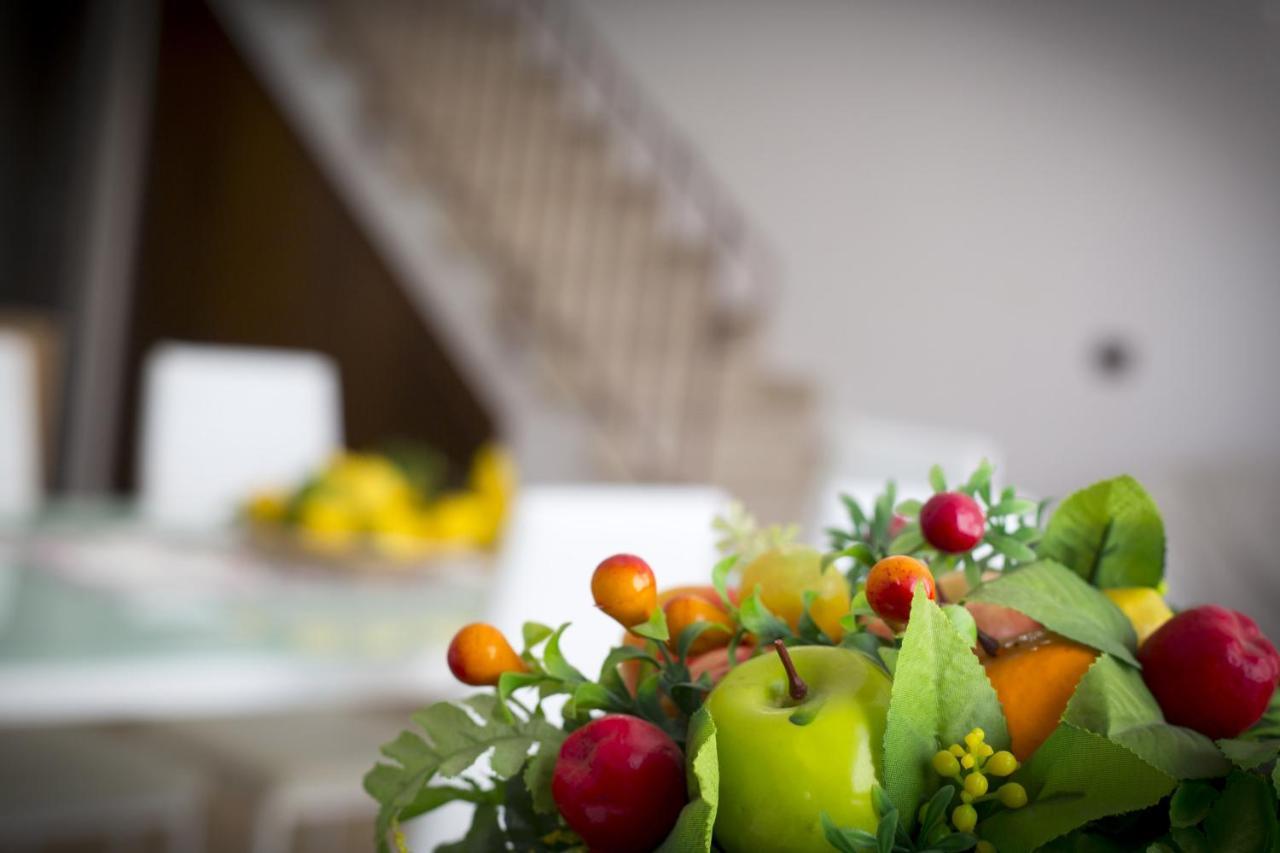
(952,522)
(619,783)
(1211,670)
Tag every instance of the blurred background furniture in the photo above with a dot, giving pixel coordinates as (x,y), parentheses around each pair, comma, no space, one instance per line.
(20,441)
(220,422)
(84,786)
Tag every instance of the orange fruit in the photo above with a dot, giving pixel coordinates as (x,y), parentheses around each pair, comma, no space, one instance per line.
(624,588)
(1034,685)
(683,611)
(479,654)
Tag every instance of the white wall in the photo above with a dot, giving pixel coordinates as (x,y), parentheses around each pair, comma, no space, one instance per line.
(967,195)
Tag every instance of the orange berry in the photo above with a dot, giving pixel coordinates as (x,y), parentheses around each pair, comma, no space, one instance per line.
(479,654)
(1034,685)
(892,584)
(624,588)
(685,610)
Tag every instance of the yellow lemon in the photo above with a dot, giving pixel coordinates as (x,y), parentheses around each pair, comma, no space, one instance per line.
(266,507)
(327,523)
(1143,605)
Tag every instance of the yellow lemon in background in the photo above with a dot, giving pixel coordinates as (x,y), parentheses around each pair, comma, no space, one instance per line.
(327,522)
(783,575)
(1143,605)
(267,507)
(370,482)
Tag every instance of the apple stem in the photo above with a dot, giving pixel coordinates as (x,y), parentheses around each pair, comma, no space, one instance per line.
(795,684)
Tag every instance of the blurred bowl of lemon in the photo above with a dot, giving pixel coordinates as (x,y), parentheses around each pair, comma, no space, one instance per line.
(395,508)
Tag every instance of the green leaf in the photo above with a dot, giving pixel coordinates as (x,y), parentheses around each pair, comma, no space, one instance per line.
(1073,778)
(908,508)
(936,479)
(859,551)
(692,832)
(720,580)
(1014,506)
(1191,803)
(534,633)
(889,655)
(538,773)
(1190,840)
(1112,700)
(1010,547)
(935,812)
(1275,779)
(455,740)
(1057,598)
(847,840)
(758,619)
(980,479)
(940,693)
(887,830)
(1110,534)
(962,621)
(655,628)
(908,541)
(1244,817)
(610,678)
(553,660)
(1248,754)
(856,515)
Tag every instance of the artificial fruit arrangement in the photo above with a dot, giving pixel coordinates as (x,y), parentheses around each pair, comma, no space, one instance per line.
(954,674)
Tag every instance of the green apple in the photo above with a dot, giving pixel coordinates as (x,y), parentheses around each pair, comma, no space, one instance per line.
(784,761)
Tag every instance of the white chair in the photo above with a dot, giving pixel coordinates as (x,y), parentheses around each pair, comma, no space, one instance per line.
(19,429)
(864,453)
(220,422)
(556,538)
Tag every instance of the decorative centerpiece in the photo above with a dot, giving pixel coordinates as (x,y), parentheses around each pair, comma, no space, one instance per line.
(950,675)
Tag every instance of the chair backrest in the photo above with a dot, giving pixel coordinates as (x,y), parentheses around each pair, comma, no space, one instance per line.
(19,427)
(220,422)
(559,534)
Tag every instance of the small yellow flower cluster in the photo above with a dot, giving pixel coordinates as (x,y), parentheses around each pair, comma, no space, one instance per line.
(971,765)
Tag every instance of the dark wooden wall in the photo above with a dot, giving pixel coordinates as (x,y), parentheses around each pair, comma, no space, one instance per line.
(244,242)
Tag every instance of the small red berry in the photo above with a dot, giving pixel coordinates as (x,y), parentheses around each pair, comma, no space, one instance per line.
(619,783)
(952,522)
(892,583)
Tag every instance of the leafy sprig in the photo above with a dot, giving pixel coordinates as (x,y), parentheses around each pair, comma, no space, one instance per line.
(892,836)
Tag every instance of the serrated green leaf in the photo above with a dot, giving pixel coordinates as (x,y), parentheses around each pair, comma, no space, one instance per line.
(1112,700)
(1244,816)
(937,480)
(538,773)
(693,829)
(455,738)
(940,693)
(1059,599)
(1110,534)
(655,628)
(1248,754)
(1191,803)
(1075,777)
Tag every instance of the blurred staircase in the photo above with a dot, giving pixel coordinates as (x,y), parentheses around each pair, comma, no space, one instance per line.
(623,289)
